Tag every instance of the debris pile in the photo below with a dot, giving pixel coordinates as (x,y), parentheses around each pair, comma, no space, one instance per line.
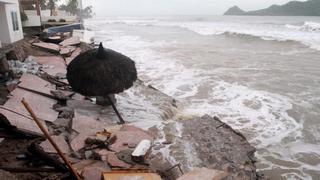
(94,145)
(28,66)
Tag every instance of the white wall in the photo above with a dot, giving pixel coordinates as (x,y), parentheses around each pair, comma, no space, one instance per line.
(14,35)
(7,35)
(33,19)
(4,31)
(45,16)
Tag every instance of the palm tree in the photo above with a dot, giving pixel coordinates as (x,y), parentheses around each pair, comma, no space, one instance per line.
(52,6)
(73,6)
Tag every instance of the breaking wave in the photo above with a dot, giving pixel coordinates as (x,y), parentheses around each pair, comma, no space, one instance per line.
(307,26)
(307,33)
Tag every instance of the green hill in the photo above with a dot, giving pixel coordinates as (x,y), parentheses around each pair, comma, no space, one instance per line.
(293,8)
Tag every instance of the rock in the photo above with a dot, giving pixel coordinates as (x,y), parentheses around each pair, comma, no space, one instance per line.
(70,42)
(88,154)
(60,141)
(125,156)
(204,173)
(47,46)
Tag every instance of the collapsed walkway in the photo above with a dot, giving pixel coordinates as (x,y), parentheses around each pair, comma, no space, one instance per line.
(89,135)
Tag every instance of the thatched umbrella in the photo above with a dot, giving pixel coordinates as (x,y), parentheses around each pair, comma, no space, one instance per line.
(101,72)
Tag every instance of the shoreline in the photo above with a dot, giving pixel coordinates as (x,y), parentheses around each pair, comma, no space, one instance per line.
(169,140)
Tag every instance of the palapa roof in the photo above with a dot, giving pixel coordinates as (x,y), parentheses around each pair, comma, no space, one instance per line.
(100,72)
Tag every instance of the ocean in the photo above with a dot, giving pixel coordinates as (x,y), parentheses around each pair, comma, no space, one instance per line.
(261,75)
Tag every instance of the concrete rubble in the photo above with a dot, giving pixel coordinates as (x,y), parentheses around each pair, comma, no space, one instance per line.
(70,41)
(47,46)
(96,145)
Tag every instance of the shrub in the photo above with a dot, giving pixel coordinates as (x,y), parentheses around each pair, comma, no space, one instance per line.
(52,20)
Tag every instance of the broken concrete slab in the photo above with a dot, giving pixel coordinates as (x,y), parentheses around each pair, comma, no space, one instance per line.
(74,54)
(86,124)
(111,158)
(35,83)
(61,142)
(204,173)
(78,142)
(47,46)
(40,104)
(70,41)
(52,64)
(87,108)
(142,151)
(65,51)
(21,122)
(128,135)
(87,127)
(212,144)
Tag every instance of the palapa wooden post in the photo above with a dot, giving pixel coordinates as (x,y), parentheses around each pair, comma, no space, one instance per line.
(45,132)
(116,111)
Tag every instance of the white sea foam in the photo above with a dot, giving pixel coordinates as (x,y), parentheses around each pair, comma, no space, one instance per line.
(307,34)
(307,26)
(261,115)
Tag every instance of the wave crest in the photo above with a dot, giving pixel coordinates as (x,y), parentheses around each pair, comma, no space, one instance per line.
(307,26)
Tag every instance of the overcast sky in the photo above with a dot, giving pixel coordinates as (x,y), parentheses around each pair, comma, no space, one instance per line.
(171,7)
